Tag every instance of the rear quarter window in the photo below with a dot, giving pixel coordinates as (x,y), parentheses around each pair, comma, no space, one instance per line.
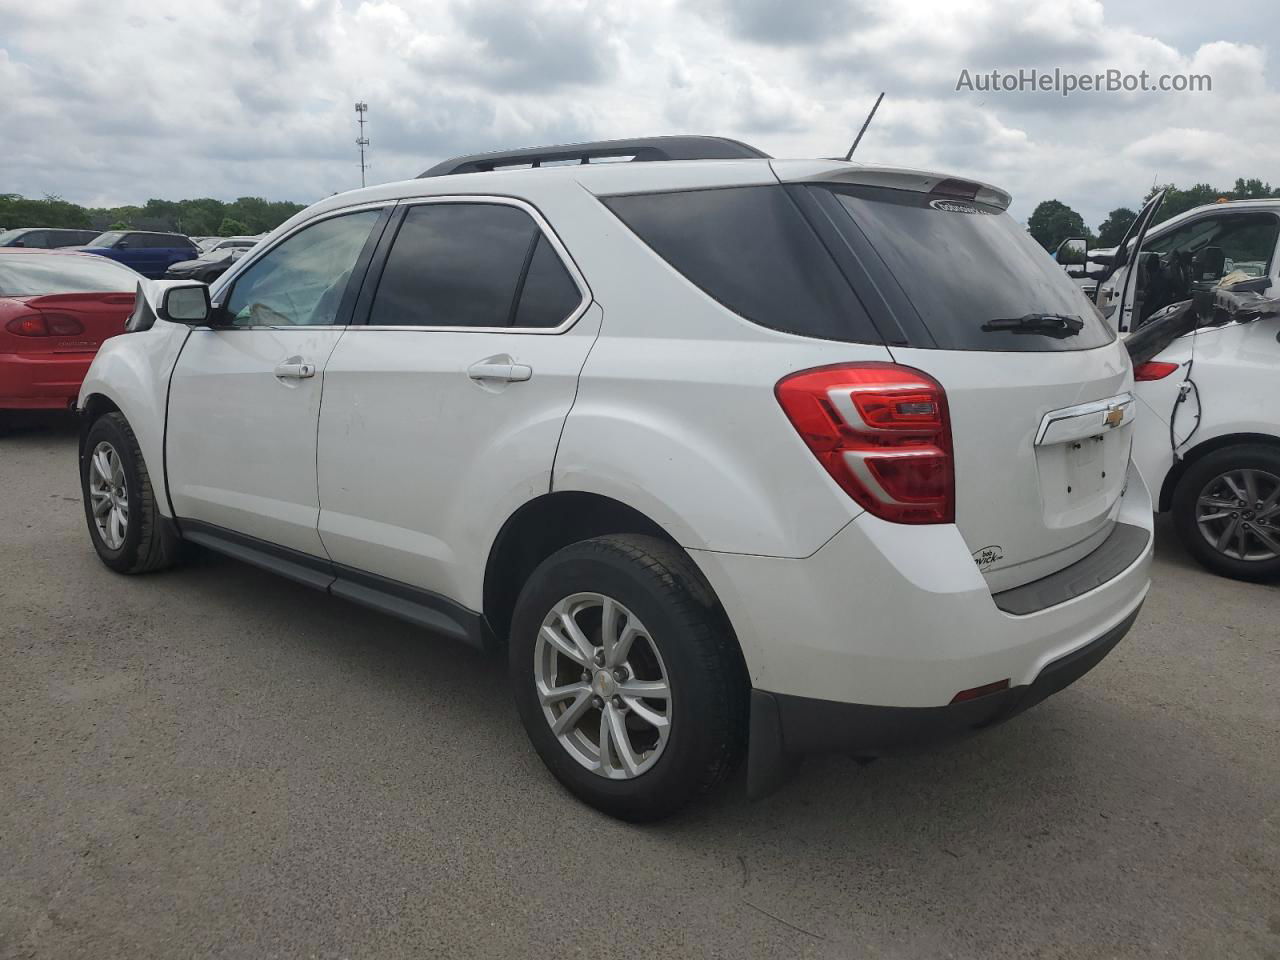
(751,249)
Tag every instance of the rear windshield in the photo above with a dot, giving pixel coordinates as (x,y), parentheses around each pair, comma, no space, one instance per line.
(35,275)
(976,278)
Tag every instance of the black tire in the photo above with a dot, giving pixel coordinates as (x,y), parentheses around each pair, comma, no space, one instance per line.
(1197,480)
(708,681)
(150,543)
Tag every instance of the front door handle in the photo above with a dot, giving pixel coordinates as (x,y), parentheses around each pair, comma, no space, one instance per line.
(496,368)
(295,368)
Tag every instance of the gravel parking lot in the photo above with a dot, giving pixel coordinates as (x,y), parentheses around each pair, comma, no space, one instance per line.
(216,762)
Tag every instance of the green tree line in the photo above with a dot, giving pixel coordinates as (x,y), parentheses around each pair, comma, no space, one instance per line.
(196,218)
(1053,221)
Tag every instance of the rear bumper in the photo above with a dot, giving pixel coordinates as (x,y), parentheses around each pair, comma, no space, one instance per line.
(886,623)
(784,727)
(41,381)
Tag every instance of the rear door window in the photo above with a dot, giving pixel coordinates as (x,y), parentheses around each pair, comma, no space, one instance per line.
(974,275)
(751,249)
(478,265)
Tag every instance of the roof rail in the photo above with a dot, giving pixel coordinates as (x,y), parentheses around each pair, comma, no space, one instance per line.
(640,149)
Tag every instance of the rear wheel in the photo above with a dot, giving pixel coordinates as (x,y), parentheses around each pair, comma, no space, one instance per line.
(1226,509)
(126,527)
(627,676)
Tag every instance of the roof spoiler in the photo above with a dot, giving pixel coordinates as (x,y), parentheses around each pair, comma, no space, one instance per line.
(641,149)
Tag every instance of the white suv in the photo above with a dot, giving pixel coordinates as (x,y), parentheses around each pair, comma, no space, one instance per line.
(734,456)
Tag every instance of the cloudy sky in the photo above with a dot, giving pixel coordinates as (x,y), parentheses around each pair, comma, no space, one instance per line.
(110,103)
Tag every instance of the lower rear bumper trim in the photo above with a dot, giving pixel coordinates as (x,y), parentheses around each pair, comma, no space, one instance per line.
(785,727)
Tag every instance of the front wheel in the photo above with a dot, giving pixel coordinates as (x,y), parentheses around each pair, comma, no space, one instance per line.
(627,676)
(1226,509)
(125,525)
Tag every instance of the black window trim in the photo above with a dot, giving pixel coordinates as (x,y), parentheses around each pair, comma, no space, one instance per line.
(354,288)
(373,277)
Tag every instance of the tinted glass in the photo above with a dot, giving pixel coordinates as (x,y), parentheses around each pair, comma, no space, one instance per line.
(67,238)
(1248,240)
(38,274)
(300,282)
(751,249)
(976,277)
(549,294)
(36,239)
(454,265)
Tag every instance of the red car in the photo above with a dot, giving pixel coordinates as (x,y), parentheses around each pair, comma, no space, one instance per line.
(56,308)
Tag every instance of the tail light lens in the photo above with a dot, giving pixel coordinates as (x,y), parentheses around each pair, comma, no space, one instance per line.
(1153,370)
(883,433)
(45,325)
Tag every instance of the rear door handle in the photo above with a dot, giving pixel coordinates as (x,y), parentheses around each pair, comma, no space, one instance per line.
(493,369)
(295,369)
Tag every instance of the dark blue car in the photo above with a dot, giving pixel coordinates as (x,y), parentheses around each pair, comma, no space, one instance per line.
(151,254)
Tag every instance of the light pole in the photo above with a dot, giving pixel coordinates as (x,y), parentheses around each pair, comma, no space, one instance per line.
(362,141)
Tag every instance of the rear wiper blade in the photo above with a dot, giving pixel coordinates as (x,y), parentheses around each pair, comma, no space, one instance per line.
(1047,324)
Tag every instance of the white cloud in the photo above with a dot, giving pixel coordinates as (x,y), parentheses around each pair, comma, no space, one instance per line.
(115,103)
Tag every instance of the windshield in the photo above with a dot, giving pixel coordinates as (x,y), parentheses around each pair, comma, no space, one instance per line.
(7,236)
(975,276)
(39,274)
(109,239)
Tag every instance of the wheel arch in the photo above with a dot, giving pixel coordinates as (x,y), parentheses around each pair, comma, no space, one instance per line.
(1202,450)
(538,529)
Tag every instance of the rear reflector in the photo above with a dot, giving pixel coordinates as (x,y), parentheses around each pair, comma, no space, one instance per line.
(45,325)
(883,434)
(973,693)
(1153,370)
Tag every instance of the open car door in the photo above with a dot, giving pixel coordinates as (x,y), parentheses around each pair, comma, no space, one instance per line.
(1126,259)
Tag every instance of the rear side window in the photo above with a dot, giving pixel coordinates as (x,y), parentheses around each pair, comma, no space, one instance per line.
(751,249)
(549,293)
(976,278)
(472,265)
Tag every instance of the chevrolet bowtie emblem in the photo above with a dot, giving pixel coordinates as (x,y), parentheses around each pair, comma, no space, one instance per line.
(1114,417)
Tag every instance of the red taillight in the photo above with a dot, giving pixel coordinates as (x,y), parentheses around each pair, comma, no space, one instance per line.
(882,432)
(1153,370)
(45,325)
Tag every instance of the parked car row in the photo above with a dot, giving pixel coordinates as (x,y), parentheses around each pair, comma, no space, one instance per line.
(152,254)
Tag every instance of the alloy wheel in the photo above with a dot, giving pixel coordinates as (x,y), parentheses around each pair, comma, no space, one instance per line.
(109,495)
(603,686)
(1238,513)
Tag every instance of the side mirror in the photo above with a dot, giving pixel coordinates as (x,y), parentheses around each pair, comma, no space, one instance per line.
(122,245)
(19,243)
(1208,265)
(1073,251)
(185,303)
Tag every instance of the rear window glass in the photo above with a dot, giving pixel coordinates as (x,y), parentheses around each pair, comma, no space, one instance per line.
(751,249)
(35,275)
(472,265)
(975,276)
(549,294)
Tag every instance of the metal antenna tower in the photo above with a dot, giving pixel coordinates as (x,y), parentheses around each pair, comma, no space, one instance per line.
(362,141)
